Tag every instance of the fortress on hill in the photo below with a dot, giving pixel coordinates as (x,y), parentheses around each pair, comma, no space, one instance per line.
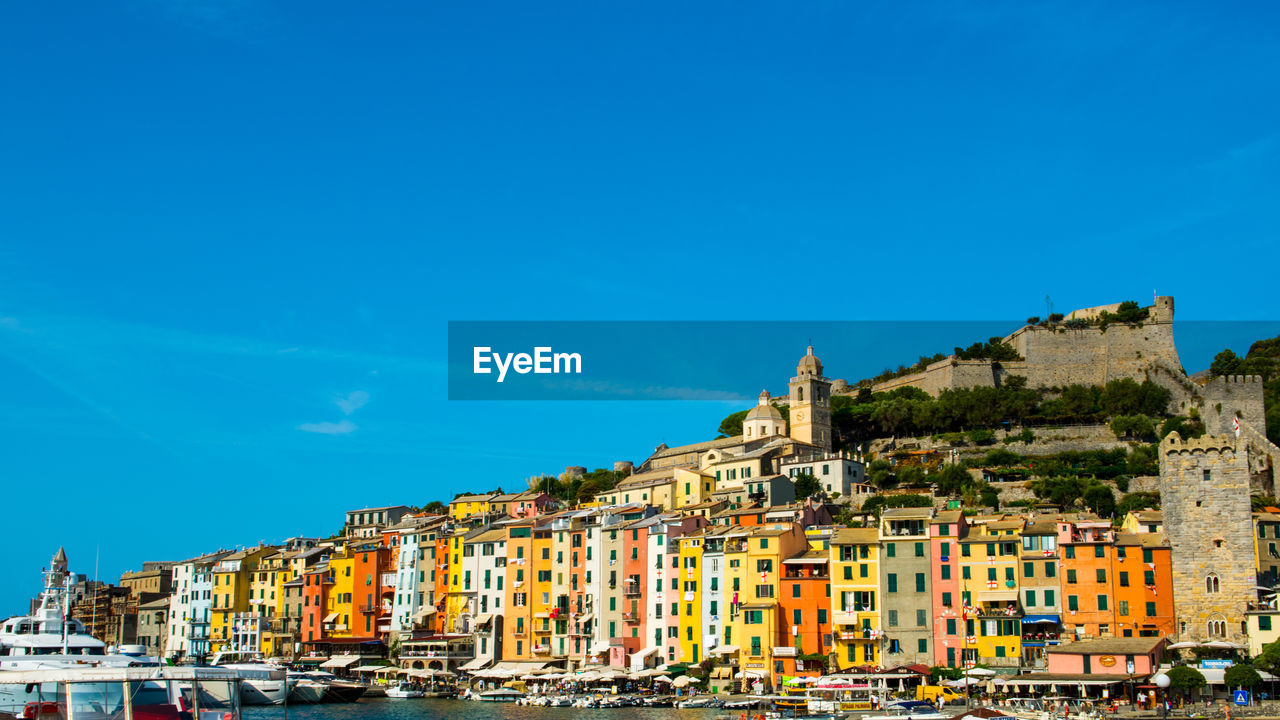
(1075,353)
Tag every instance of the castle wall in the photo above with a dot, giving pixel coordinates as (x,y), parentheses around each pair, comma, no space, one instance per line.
(1204,494)
(1058,356)
(1225,396)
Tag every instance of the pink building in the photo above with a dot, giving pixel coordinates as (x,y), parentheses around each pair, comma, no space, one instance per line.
(945,532)
(1107,656)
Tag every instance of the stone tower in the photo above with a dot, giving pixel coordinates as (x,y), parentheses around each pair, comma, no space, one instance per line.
(1204,493)
(811,403)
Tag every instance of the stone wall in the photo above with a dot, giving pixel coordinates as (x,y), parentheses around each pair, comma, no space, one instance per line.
(1204,493)
(1227,395)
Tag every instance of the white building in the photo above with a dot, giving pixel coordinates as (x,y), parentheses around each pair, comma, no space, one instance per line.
(187,629)
(836,472)
(414,599)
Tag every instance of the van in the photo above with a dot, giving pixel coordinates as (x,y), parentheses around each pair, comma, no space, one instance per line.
(931,693)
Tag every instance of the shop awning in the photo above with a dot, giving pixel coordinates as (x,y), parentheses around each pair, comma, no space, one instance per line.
(473,665)
(1042,619)
(483,619)
(600,646)
(586,617)
(305,660)
(369,668)
(341,662)
(985,596)
(428,610)
(331,617)
(726,650)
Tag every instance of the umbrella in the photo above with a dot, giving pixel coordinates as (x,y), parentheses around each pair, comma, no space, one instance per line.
(799,680)
(682,681)
(1183,644)
(662,679)
(979,672)
(1222,645)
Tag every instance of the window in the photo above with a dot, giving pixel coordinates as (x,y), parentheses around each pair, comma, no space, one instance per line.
(919,549)
(1050,569)
(945,572)
(951,626)
(946,599)
(922,645)
(893,618)
(1073,603)
(920,582)
(1211,582)
(922,618)
(1028,569)
(1071,577)
(822,616)
(893,581)
(1102,575)
(1122,607)
(964,571)
(1069,551)
(890,550)
(1124,579)
(1031,597)
(1102,602)
(1264,621)
(1048,598)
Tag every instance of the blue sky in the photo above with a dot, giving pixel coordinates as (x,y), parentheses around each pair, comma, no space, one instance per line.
(232,232)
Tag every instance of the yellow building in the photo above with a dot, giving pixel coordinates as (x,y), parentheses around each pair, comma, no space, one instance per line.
(756,625)
(989,558)
(856,596)
(340,607)
(232,582)
(1142,521)
(649,488)
(1266,546)
(691,488)
(465,506)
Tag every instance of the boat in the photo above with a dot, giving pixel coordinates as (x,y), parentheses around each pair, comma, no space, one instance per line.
(835,696)
(334,689)
(907,710)
(501,695)
(402,691)
(306,690)
(128,693)
(264,683)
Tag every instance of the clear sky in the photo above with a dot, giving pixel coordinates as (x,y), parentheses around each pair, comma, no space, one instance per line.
(232,231)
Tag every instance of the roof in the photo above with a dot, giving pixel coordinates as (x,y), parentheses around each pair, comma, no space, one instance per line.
(387,507)
(856,536)
(474,498)
(1109,646)
(948,516)
(698,447)
(912,513)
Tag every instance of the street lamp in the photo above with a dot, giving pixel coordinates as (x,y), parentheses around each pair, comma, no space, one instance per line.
(1162,682)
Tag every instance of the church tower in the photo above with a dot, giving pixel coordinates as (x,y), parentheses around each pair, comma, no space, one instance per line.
(811,403)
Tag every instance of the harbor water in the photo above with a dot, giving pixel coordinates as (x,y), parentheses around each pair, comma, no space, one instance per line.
(431,709)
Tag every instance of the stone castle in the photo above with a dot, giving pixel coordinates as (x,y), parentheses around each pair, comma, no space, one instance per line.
(1055,356)
(1205,488)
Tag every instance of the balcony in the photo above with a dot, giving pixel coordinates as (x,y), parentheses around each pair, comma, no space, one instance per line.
(370,609)
(630,618)
(631,588)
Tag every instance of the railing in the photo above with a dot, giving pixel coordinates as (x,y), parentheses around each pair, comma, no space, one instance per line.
(630,618)
(631,588)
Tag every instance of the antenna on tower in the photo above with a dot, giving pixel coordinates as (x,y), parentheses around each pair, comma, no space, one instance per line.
(1048,306)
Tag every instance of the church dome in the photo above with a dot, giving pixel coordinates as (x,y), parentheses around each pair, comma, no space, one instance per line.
(764,410)
(809,364)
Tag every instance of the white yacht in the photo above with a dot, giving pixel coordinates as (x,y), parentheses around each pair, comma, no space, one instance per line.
(263,683)
(49,638)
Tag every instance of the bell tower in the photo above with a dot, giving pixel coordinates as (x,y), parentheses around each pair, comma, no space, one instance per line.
(811,403)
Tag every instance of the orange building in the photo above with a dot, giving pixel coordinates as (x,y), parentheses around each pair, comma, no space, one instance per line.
(805,603)
(517,625)
(1143,586)
(1088,590)
(440,575)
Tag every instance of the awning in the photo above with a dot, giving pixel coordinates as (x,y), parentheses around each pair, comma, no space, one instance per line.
(586,617)
(483,619)
(985,596)
(646,652)
(307,660)
(369,668)
(726,650)
(331,617)
(1042,619)
(472,665)
(722,672)
(542,615)
(341,662)
(600,646)
(428,610)
(784,651)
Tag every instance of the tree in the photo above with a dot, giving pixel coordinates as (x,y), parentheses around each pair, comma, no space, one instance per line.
(952,479)
(880,474)
(1137,501)
(1224,363)
(1241,675)
(1184,679)
(806,486)
(732,424)
(1100,499)
(1269,659)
